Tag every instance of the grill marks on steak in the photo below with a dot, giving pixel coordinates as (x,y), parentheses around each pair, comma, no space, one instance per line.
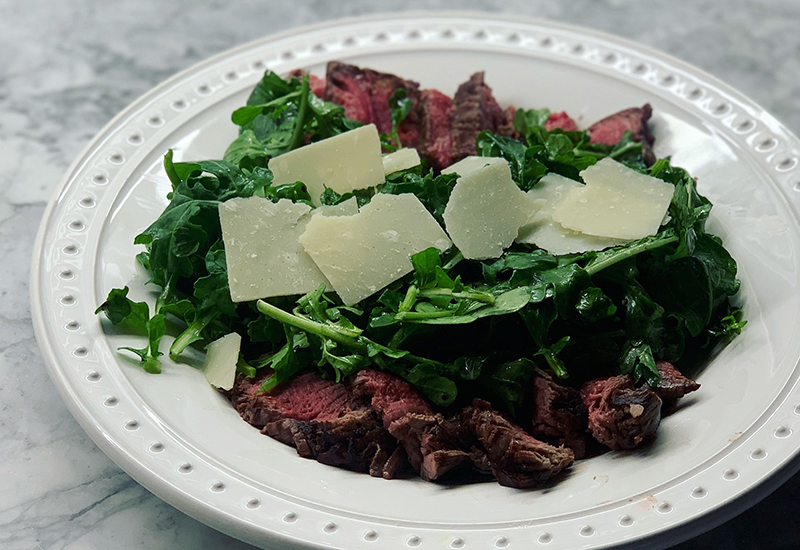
(365,94)
(322,420)
(435,141)
(619,415)
(378,423)
(516,458)
(444,130)
(557,414)
(430,442)
(475,110)
(610,130)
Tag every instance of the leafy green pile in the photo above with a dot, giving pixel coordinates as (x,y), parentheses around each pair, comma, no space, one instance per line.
(453,328)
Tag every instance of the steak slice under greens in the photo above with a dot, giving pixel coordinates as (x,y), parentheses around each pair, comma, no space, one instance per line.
(621,416)
(610,130)
(515,457)
(435,141)
(365,95)
(673,384)
(322,420)
(557,414)
(474,110)
(560,120)
(430,442)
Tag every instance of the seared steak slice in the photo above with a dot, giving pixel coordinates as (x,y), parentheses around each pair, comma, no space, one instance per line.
(365,95)
(431,443)
(610,130)
(561,120)
(392,397)
(673,384)
(305,397)
(474,110)
(321,419)
(621,416)
(349,86)
(515,457)
(435,142)
(558,415)
(356,440)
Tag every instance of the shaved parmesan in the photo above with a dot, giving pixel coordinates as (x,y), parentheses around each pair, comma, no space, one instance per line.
(344,208)
(486,208)
(615,202)
(402,159)
(468,165)
(545,233)
(221,358)
(346,162)
(263,255)
(361,254)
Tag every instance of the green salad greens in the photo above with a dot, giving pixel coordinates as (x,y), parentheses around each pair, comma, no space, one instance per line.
(453,328)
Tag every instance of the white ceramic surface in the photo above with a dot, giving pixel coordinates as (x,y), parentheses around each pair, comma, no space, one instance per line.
(184,442)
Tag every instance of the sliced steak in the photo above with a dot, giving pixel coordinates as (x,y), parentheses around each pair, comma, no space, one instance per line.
(561,120)
(516,458)
(316,83)
(349,86)
(609,131)
(619,415)
(558,415)
(673,384)
(430,442)
(321,419)
(365,95)
(474,110)
(435,141)
(506,126)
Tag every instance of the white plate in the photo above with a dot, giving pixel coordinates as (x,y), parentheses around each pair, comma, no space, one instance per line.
(183,441)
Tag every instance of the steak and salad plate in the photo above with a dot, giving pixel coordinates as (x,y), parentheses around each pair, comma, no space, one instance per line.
(537,282)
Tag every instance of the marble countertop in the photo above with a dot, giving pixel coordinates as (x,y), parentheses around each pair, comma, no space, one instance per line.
(68,67)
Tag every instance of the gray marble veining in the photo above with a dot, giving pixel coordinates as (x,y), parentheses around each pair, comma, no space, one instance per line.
(66,68)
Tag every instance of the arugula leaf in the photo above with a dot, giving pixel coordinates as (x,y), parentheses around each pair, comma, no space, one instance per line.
(637,360)
(425,264)
(525,120)
(121,310)
(439,389)
(538,319)
(400,106)
(508,382)
(281,115)
(329,197)
(135,316)
(246,151)
(432,191)
(286,362)
(593,305)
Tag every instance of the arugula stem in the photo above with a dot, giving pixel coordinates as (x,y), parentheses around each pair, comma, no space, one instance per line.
(448,292)
(274,102)
(298,135)
(608,258)
(420,316)
(409,300)
(453,262)
(621,151)
(191,334)
(555,365)
(310,326)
